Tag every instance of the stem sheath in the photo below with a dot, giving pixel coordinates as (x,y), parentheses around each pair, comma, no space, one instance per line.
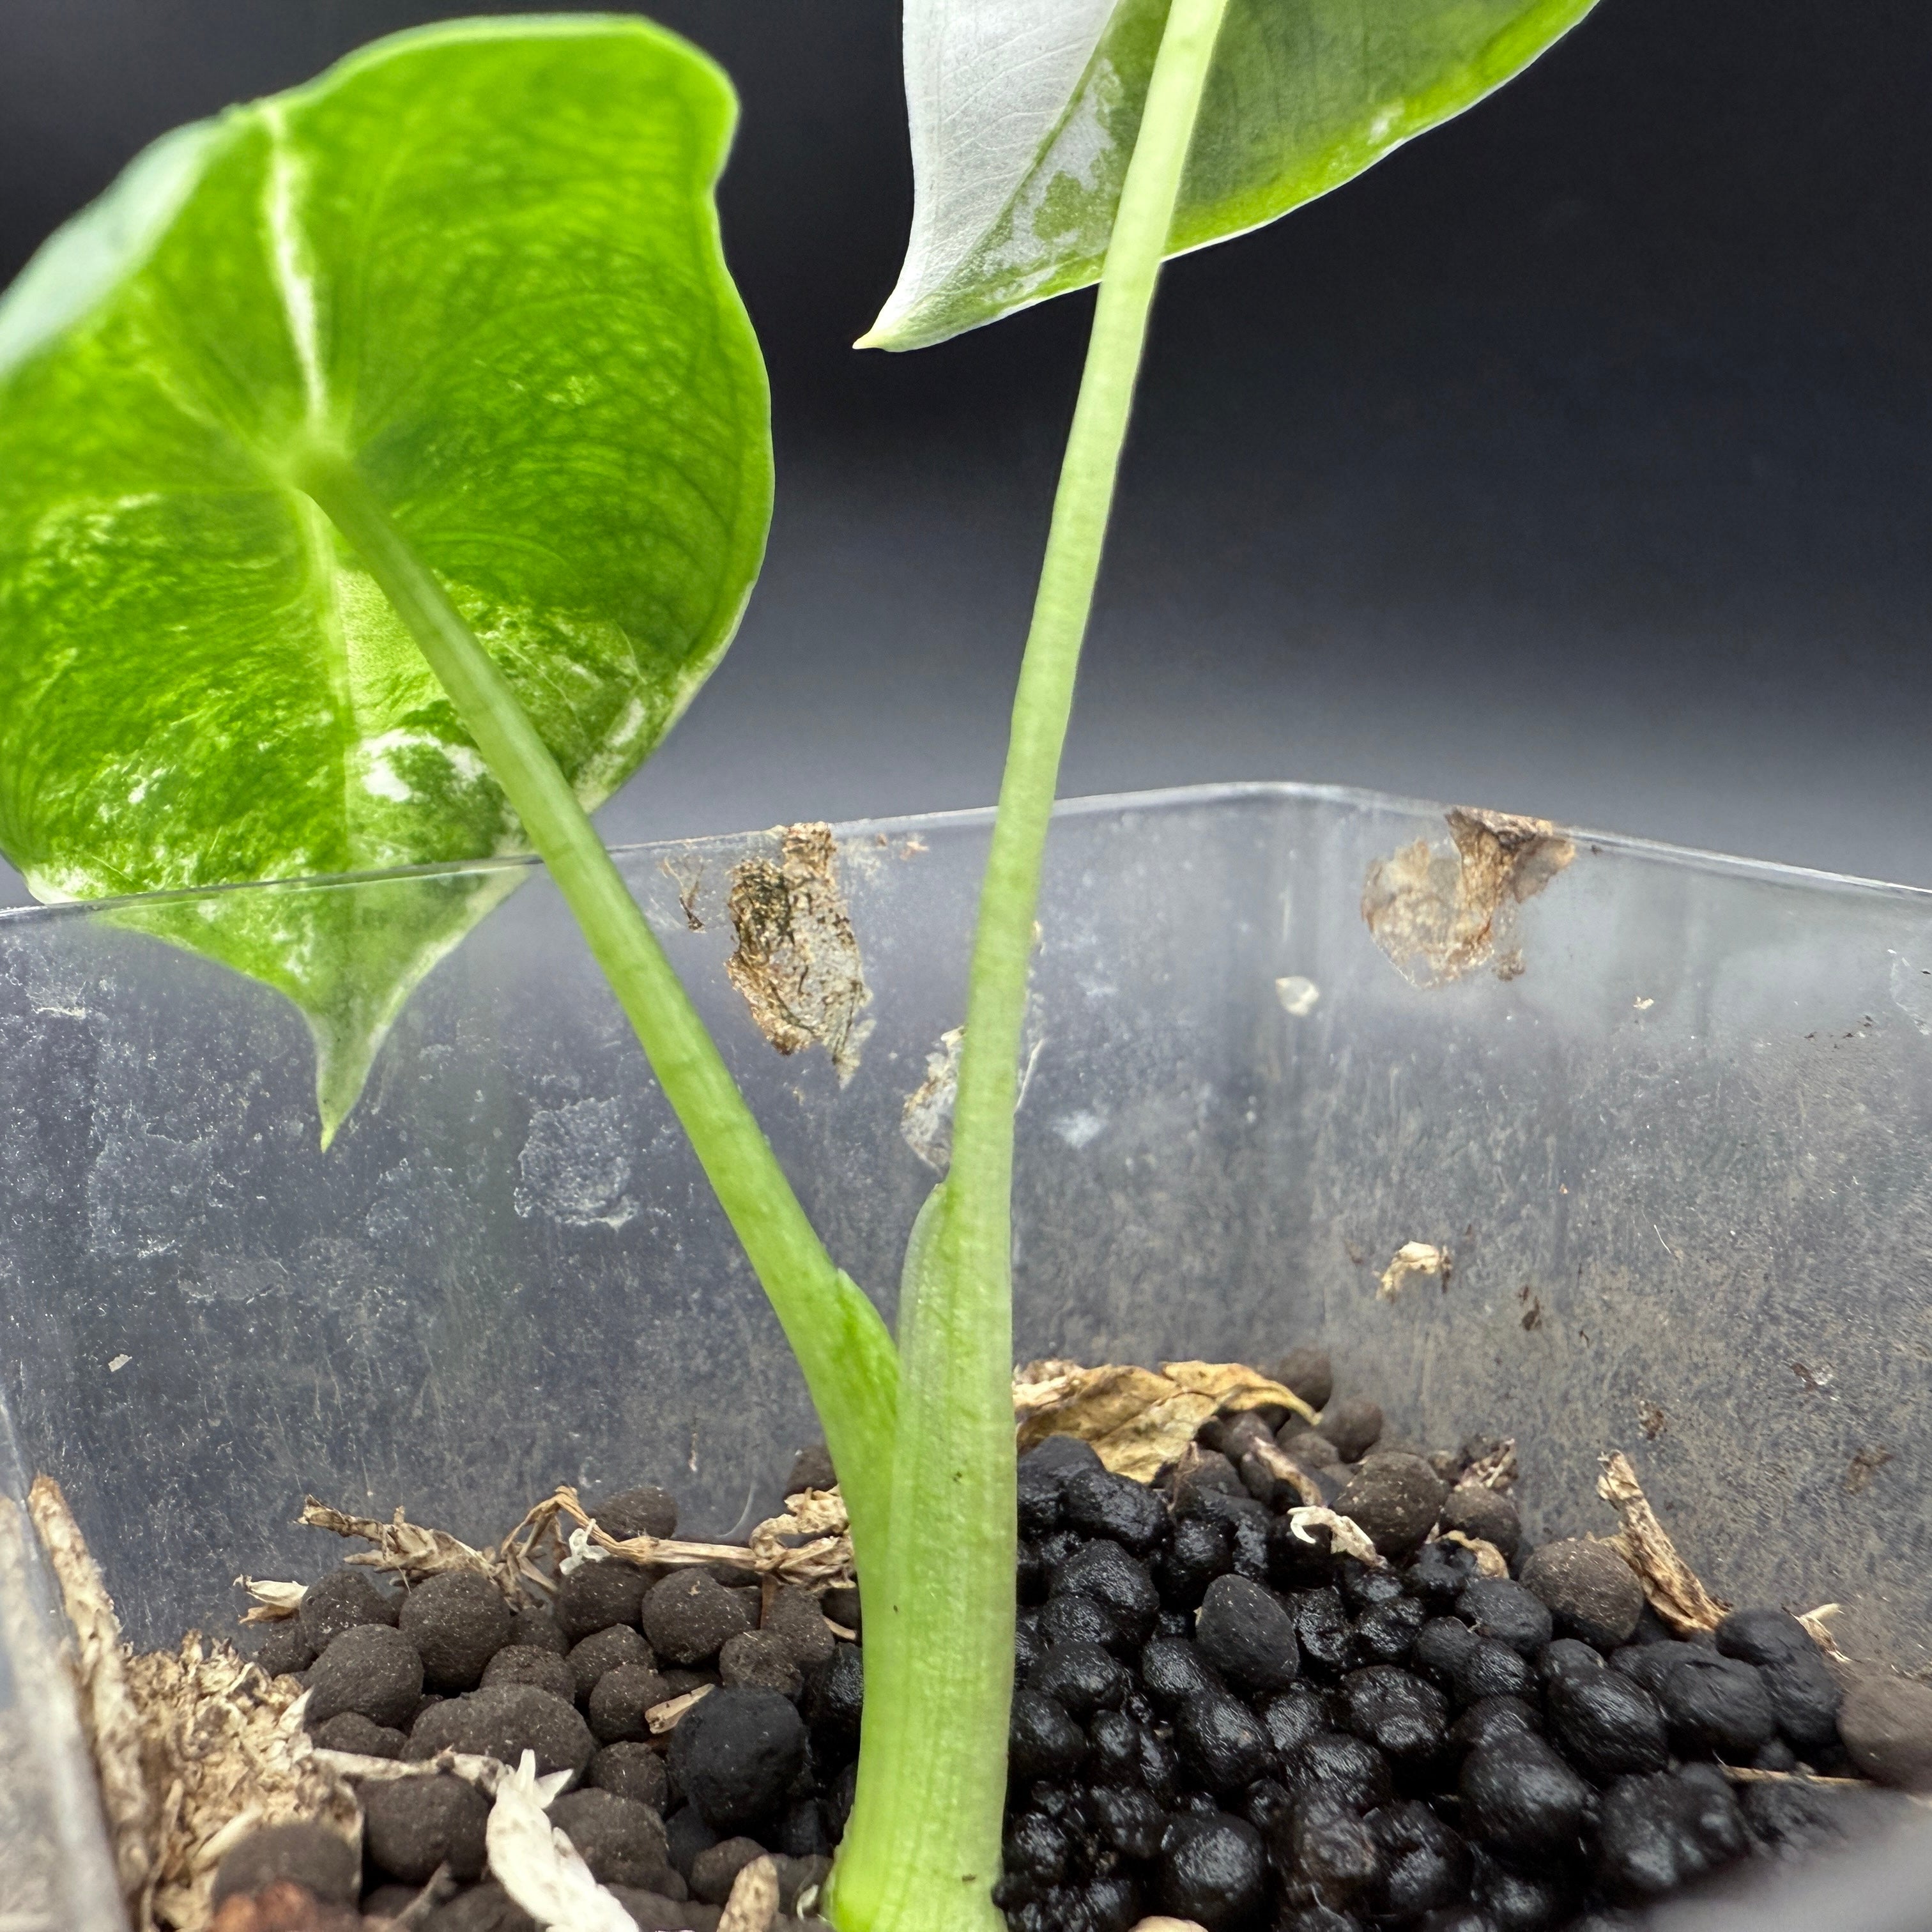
(923,1845)
(840,1340)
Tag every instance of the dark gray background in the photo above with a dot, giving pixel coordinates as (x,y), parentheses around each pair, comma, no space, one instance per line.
(1574,460)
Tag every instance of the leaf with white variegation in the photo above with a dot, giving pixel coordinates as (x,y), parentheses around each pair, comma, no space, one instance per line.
(481,261)
(1023,113)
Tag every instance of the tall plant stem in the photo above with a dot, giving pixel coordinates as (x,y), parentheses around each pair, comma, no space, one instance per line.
(842,1343)
(923,1845)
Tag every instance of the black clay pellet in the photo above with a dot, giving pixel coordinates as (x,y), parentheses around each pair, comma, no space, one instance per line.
(1243,1631)
(1386,1634)
(1538,1896)
(1425,1864)
(1213,1869)
(689,1616)
(589,1660)
(1492,1668)
(1221,1743)
(1298,1714)
(1716,1704)
(411,1826)
(1485,1514)
(483,1908)
(1805,1700)
(1457,1919)
(1353,1425)
(1396,1499)
(370,1669)
(1519,1797)
(1764,1636)
(686,1834)
(1592,1592)
(526,1663)
(1438,1650)
(1437,1575)
(285,1650)
(648,1510)
(457,1622)
(1078,1619)
(1199,1550)
(841,1606)
(1567,1657)
(1796,1818)
(1099,1504)
(1657,1834)
(534,1627)
(735,1754)
(1608,1725)
(715,1869)
(1646,1663)
(1056,1545)
(620,1702)
(503,1723)
(1307,1371)
(1497,1608)
(310,1855)
(1081,1678)
(1338,1766)
(1160,1765)
(632,1770)
(1318,1918)
(762,1659)
(1028,1649)
(1132,1822)
(1113,1750)
(1105,1573)
(1297,1559)
(835,1701)
(1205,1471)
(339,1601)
(1328,1848)
(621,1841)
(1043,1741)
(1363,1586)
(1030,1575)
(1490,1718)
(1036,1856)
(1401,1715)
(595,1596)
(1775,1756)
(1039,1485)
(1322,1629)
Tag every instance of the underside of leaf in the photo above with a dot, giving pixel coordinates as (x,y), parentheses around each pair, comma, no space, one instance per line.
(481,262)
(1023,113)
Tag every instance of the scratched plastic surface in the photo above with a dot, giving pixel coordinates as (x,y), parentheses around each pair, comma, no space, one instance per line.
(1675,1148)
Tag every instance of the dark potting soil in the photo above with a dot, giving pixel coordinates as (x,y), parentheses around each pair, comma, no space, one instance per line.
(1216,1716)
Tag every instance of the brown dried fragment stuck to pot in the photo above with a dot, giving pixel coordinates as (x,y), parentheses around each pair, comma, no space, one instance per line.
(284,1906)
(797,960)
(1440,911)
(1414,1258)
(1139,1420)
(1670,1583)
(403,1549)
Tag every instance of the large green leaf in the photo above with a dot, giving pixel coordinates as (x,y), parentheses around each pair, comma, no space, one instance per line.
(483,260)
(1023,113)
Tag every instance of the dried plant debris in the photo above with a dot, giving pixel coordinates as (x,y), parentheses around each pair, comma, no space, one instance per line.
(796,962)
(1490,1561)
(1442,910)
(537,1866)
(1422,1258)
(223,1751)
(926,1121)
(753,1902)
(1670,1584)
(1138,1421)
(1865,1465)
(1346,1537)
(111,1723)
(403,1549)
(1495,1468)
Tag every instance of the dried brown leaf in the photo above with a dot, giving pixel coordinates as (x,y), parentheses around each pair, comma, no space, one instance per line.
(1284,1469)
(405,1549)
(108,1716)
(1138,1421)
(821,1557)
(753,1902)
(1670,1584)
(1490,1561)
(274,1602)
(1498,1469)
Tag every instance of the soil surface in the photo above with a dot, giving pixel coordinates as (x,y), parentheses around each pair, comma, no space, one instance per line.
(1310,1679)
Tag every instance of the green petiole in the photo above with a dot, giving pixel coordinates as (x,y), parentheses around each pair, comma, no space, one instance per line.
(838,1336)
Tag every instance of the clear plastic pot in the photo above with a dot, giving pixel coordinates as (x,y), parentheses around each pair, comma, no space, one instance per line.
(1667,1115)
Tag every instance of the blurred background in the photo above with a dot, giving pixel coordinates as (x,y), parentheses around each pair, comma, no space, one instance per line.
(1573,461)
